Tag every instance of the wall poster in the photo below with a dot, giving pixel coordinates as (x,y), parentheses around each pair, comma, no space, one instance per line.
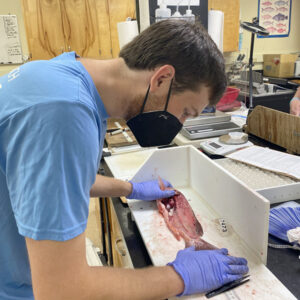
(275,16)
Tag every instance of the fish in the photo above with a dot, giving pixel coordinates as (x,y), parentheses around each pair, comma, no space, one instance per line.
(279,17)
(281,3)
(282,9)
(267,23)
(280,25)
(267,3)
(281,30)
(266,17)
(271,29)
(268,9)
(181,220)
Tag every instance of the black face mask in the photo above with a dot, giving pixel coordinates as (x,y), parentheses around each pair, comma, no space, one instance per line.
(154,128)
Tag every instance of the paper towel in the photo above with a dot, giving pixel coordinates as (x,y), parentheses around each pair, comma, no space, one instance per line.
(127,31)
(216,27)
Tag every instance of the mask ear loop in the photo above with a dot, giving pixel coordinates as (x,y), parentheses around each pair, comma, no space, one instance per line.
(145,100)
(169,95)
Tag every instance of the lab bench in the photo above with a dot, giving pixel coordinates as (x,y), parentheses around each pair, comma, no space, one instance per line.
(284,263)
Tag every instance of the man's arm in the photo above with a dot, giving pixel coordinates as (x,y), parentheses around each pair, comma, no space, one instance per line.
(60,271)
(147,190)
(110,187)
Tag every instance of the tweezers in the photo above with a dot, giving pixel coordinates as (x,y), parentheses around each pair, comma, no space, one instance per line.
(228,286)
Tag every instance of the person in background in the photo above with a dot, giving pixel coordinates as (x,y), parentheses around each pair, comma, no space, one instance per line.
(295,103)
(53,117)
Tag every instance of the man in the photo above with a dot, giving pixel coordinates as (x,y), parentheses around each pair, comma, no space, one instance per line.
(52,126)
(295,103)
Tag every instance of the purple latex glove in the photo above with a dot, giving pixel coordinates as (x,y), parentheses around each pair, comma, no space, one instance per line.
(206,270)
(150,190)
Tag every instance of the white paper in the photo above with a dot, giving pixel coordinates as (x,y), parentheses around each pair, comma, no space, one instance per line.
(182,3)
(268,159)
(10,46)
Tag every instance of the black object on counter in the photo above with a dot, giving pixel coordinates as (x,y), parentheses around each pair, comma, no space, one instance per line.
(228,286)
(278,101)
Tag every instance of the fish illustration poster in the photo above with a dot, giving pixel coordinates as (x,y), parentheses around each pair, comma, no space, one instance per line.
(275,16)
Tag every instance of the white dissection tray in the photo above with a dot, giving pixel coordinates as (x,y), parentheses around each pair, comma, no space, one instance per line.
(124,166)
(213,193)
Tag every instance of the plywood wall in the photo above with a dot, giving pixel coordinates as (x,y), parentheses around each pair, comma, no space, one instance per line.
(231,9)
(118,12)
(88,27)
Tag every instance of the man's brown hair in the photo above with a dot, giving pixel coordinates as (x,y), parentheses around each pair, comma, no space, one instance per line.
(185,46)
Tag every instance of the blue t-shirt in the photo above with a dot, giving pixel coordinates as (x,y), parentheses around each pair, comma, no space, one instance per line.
(52,127)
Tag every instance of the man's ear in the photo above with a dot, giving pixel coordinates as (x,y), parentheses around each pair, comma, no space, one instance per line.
(162,77)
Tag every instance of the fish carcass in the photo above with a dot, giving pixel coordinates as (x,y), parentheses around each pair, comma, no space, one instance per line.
(181,221)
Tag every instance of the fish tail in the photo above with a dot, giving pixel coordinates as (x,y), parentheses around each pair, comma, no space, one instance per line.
(200,244)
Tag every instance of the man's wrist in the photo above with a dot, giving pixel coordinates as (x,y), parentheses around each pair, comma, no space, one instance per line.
(128,188)
(176,279)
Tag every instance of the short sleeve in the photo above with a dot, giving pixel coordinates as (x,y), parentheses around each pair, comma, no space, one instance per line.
(51,164)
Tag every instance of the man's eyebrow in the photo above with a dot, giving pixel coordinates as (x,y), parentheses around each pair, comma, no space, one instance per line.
(196,114)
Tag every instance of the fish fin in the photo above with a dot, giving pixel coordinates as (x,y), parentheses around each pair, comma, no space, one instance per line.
(161,184)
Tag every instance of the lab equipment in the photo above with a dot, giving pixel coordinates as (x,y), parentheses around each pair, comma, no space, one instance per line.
(177,13)
(226,144)
(189,16)
(254,28)
(228,286)
(162,12)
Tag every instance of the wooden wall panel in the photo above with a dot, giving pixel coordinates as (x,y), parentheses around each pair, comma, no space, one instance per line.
(44,28)
(102,11)
(118,12)
(231,9)
(80,27)
(88,27)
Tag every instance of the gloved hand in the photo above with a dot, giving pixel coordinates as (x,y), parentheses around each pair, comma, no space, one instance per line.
(150,190)
(206,270)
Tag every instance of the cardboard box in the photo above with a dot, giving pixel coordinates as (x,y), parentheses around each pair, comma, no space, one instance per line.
(279,65)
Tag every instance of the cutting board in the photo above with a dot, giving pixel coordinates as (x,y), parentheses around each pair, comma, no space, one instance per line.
(115,123)
(121,139)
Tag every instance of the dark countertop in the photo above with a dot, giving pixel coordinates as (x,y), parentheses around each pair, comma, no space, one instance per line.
(283,263)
